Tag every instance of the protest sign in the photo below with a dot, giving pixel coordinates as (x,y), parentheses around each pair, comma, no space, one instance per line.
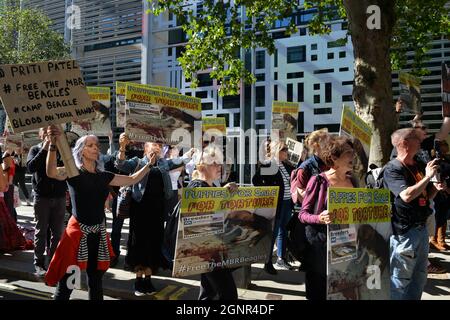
(358,244)
(222,230)
(214,127)
(410,92)
(38,94)
(284,118)
(295,151)
(360,133)
(99,123)
(120,99)
(158,116)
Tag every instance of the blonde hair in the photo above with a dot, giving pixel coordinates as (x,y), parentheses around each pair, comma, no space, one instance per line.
(317,140)
(210,154)
(274,148)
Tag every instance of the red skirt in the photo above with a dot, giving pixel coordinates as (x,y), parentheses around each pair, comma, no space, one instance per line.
(11,238)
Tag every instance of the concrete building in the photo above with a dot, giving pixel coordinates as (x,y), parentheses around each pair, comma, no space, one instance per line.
(117,41)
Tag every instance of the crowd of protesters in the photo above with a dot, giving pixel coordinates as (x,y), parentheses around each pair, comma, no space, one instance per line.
(417,182)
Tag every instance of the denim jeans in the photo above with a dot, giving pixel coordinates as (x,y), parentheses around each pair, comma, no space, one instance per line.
(279,229)
(409,259)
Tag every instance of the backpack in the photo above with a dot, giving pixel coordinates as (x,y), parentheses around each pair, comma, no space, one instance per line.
(374,177)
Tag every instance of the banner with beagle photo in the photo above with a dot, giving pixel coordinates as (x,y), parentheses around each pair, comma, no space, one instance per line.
(160,116)
(354,128)
(219,229)
(285,118)
(358,244)
(100,123)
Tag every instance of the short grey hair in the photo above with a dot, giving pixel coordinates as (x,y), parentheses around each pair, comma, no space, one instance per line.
(77,152)
(402,134)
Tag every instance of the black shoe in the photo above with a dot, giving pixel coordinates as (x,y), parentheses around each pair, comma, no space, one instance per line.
(148,286)
(283,264)
(139,287)
(268,267)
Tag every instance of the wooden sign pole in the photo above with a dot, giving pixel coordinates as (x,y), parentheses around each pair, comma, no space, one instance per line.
(66,154)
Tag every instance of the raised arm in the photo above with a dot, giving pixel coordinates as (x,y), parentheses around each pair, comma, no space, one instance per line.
(122,180)
(52,170)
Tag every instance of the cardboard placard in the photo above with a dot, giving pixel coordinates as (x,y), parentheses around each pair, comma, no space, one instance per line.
(39,94)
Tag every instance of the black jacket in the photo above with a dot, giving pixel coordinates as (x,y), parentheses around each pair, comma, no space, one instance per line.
(43,186)
(271,180)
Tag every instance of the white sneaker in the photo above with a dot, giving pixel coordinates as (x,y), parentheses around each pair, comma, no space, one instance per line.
(39,271)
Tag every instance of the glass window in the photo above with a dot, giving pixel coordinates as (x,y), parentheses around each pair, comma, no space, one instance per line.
(296,54)
(330,55)
(323,110)
(316,86)
(300,92)
(317,98)
(314,57)
(289,92)
(275,58)
(328,93)
(260,96)
(342,54)
(314,46)
(260,59)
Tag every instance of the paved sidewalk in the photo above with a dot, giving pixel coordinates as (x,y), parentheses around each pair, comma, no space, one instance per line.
(287,285)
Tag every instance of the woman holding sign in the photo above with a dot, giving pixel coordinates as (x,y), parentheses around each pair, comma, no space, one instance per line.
(218,282)
(338,155)
(85,243)
(278,173)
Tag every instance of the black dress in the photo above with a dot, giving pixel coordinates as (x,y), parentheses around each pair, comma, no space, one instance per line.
(147,226)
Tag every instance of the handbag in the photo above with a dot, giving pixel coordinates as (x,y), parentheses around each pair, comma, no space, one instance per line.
(124,200)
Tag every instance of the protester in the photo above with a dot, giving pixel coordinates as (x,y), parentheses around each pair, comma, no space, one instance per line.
(312,166)
(10,236)
(19,178)
(280,176)
(49,204)
(442,202)
(219,282)
(145,239)
(411,192)
(85,242)
(174,174)
(338,155)
(423,156)
(10,169)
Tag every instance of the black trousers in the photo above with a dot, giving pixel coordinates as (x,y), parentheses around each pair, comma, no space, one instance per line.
(218,283)
(94,276)
(315,271)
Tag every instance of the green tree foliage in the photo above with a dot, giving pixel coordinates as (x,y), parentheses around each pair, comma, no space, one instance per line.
(25,37)
(216,35)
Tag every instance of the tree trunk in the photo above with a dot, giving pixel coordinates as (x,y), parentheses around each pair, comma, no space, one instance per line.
(372,91)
